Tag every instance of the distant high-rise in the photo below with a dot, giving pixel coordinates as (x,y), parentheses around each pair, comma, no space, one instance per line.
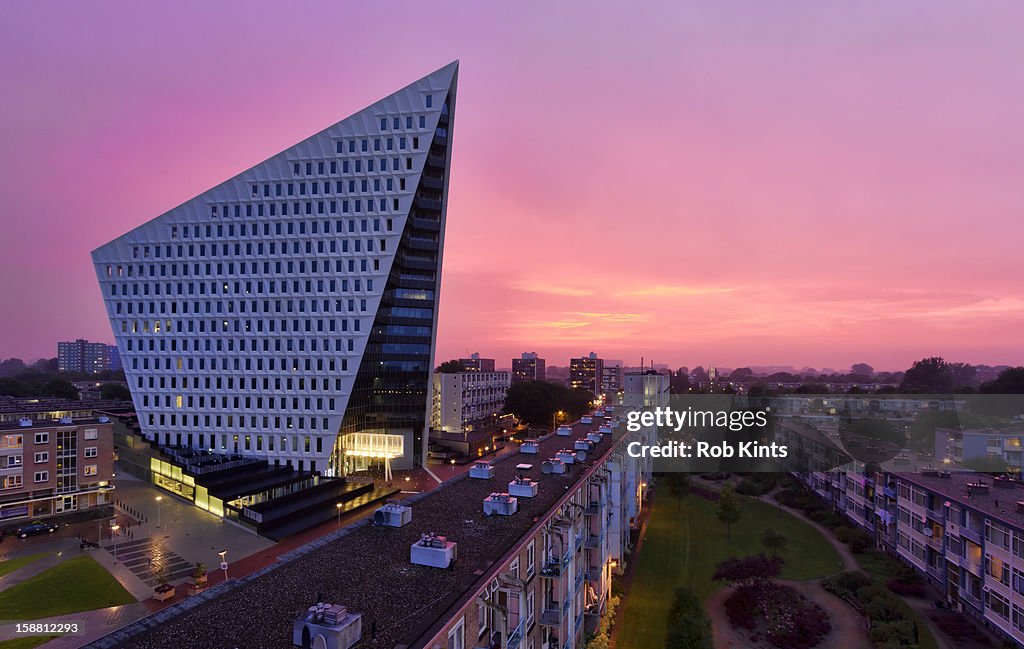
(529,367)
(290,312)
(586,373)
(476,364)
(83,356)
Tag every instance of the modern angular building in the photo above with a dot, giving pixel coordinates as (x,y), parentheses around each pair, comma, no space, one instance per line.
(290,312)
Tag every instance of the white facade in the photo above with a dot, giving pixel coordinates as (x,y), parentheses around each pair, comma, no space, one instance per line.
(465,400)
(245,316)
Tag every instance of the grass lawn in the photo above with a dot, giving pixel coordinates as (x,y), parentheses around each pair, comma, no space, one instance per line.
(13,564)
(684,541)
(78,584)
(27,642)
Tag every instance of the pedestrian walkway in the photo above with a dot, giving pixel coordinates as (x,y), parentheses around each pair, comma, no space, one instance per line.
(91,625)
(147,557)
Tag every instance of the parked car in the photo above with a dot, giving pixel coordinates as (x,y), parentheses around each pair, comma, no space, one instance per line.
(34,528)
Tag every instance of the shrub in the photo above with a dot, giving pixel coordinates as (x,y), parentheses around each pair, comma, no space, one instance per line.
(843,534)
(908,590)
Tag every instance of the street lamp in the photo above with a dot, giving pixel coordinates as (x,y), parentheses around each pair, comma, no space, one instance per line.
(338,507)
(158,499)
(453,465)
(223,563)
(113,535)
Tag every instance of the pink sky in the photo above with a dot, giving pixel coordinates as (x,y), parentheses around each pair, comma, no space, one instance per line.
(729,183)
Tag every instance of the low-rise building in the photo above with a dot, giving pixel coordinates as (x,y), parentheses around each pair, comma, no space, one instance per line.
(956,446)
(53,467)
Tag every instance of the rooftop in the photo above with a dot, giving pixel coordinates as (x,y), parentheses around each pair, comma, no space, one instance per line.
(997,499)
(38,424)
(368,569)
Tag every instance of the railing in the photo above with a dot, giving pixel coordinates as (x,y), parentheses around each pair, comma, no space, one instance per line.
(516,637)
(551,616)
(968,533)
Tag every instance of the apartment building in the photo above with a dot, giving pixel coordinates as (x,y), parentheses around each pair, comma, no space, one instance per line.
(87,357)
(466,401)
(53,467)
(586,372)
(528,367)
(962,531)
(538,577)
(957,446)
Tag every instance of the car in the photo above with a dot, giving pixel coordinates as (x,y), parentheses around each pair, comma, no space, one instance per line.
(34,528)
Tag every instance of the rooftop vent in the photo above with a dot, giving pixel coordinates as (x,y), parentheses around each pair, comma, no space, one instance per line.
(567,456)
(482,470)
(587,419)
(66,420)
(24,422)
(331,626)
(1020,506)
(433,550)
(583,445)
(554,465)
(502,504)
(605,430)
(594,438)
(530,447)
(521,487)
(392,514)
(104,420)
(565,431)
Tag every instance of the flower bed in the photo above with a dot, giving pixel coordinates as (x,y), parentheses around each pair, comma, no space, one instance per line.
(789,619)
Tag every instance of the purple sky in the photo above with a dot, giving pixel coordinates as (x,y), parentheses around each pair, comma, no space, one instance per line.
(808,183)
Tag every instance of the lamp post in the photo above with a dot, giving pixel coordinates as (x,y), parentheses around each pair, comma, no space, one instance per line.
(453,465)
(338,507)
(555,418)
(158,499)
(113,535)
(223,563)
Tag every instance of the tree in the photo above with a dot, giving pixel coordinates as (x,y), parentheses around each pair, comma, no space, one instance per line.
(863,369)
(115,392)
(449,367)
(534,402)
(728,509)
(741,374)
(1009,381)
(987,464)
(688,624)
(877,429)
(963,375)
(61,389)
(928,376)
(922,429)
(11,366)
(772,541)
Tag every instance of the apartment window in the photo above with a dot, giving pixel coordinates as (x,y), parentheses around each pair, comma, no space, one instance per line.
(90,433)
(531,558)
(91,451)
(41,476)
(457,636)
(42,457)
(13,460)
(42,438)
(12,482)
(89,469)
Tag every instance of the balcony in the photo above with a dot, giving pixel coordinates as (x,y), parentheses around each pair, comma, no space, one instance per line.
(430,182)
(593,575)
(551,569)
(593,542)
(516,637)
(592,509)
(970,534)
(551,616)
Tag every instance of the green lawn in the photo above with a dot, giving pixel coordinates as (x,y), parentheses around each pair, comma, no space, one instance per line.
(78,584)
(684,540)
(28,642)
(13,564)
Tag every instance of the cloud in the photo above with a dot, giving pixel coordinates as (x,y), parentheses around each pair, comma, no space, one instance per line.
(532,286)
(663,290)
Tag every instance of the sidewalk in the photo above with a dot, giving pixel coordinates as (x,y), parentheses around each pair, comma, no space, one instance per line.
(91,624)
